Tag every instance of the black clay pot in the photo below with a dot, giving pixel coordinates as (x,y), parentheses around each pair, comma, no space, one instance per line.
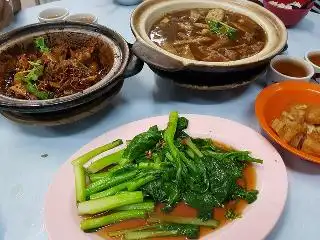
(201,74)
(124,65)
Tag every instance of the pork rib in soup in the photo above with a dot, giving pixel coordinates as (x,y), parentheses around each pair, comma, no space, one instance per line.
(212,35)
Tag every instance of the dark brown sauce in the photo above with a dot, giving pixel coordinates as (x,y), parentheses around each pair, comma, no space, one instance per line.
(315,59)
(184,210)
(75,62)
(290,68)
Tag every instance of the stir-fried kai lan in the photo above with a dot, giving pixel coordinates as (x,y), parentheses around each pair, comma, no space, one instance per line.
(156,173)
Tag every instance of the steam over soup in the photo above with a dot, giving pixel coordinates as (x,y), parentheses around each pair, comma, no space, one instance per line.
(212,35)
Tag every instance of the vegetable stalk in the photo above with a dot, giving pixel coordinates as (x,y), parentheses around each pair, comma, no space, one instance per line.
(104,162)
(110,191)
(193,147)
(108,203)
(80,183)
(95,152)
(93,223)
(150,234)
(134,185)
(97,176)
(184,220)
(146,206)
(108,182)
(122,232)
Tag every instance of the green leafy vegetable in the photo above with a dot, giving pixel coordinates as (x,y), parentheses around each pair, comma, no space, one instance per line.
(182,124)
(30,78)
(221,28)
(166,166)
(140,144)
(240,193)
(188,230)
(33,89)
(41,45)
(19,76)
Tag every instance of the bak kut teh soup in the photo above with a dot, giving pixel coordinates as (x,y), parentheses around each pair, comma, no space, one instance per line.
(212,35)
(290,68)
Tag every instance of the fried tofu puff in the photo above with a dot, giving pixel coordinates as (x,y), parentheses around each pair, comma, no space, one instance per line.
(299,127)
(312,143)
(313,115)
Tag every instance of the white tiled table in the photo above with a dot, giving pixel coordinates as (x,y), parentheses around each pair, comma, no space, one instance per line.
(25,175)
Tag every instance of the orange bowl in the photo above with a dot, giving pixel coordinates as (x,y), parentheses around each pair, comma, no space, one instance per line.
(276,98)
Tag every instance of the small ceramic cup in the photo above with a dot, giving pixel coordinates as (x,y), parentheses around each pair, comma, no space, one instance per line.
(274,76)
(309,55)
(82,17)
(128,2)
(53,14)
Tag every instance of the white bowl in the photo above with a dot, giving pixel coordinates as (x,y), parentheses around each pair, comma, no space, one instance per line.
(53,14)
(274,76)
(310,53)
(82,17)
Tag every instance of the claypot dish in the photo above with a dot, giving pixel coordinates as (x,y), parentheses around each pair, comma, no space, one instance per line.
(206,74)
(114,54)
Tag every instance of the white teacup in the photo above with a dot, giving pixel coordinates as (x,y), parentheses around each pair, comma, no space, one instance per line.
(310,54)
(297,69)
(82,17)
(53,14)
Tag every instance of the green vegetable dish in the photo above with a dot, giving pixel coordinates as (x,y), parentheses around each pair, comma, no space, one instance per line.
(164,183)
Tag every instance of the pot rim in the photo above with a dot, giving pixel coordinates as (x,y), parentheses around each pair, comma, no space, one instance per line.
(108,35)
(147,8)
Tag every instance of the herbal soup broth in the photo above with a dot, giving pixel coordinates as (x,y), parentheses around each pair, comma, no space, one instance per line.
(212,35)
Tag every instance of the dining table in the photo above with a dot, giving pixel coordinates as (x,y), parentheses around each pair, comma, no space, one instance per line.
(31,155)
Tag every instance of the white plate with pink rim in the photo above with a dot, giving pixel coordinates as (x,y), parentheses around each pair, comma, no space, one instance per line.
(62,221)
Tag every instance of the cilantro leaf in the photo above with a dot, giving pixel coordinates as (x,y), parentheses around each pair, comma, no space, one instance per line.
(41,45)
(221,28)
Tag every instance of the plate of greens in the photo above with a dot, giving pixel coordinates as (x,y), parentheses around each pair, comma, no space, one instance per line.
(169,177)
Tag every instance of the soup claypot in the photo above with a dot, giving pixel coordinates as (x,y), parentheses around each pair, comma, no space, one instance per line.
(125,64)
(201,74)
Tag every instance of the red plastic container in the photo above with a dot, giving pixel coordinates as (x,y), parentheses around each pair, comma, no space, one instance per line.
(289,17)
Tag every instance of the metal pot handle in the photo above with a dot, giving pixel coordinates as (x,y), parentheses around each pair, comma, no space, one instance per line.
(134,65)
(284,48)
(156,58)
